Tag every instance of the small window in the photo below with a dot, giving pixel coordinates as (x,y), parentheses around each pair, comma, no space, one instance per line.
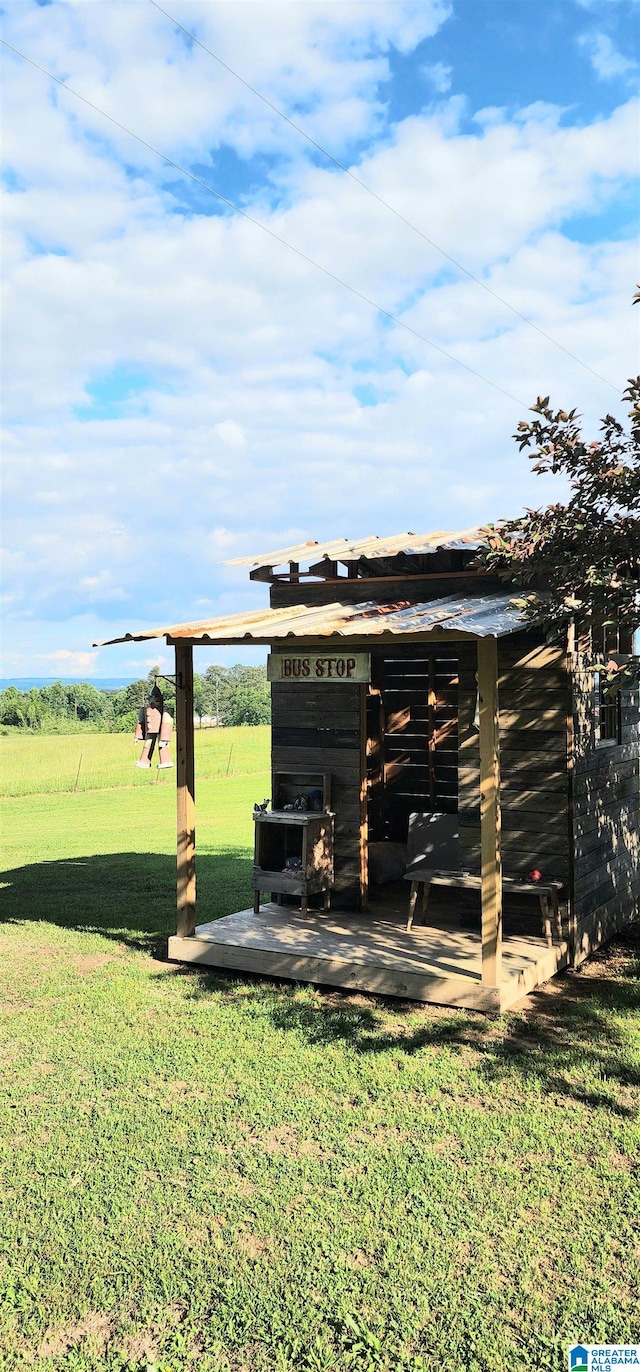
(608,715)
(611,638)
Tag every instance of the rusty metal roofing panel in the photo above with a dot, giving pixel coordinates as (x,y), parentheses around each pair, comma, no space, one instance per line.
(482,616)
(348,550)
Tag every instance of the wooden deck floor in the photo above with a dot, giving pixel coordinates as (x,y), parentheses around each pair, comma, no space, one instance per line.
(371,952)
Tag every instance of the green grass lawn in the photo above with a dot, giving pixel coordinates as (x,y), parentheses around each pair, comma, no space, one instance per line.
(213,1172)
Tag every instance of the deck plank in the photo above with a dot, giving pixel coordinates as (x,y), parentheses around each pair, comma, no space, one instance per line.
(358,952)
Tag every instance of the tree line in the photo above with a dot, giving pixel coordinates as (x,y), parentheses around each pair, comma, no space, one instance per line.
(223,696)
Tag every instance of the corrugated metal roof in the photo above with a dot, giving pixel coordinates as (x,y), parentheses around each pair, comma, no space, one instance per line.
(481,616)
(346,550)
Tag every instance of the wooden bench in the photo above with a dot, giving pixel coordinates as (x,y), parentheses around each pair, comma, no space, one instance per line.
(422,879)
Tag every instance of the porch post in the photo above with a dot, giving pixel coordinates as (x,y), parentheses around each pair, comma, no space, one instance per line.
(185,779)
(363,692)
(490,811)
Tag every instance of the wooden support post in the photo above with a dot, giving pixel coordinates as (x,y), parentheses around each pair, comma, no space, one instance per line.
(490,811)
(572,667)
(432,730)
(363,692)
(186,796)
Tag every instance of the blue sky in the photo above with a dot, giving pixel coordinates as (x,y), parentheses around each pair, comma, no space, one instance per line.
(181,388)
(511,55)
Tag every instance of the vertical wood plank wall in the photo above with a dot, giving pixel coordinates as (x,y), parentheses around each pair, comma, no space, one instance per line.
(316,728)
(534,703)
(606,819)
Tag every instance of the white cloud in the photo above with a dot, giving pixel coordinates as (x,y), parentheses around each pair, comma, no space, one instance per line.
(49,497)
(231,434)
(602,4)
(439,75)
(271,406)
(101,587)
(73,663)
(607,60)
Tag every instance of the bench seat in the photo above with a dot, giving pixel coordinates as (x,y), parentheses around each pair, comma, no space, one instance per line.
(423,878)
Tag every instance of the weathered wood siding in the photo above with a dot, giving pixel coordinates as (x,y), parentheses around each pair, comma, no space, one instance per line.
(284,594)
(534,706)
(606,819)
(316,728)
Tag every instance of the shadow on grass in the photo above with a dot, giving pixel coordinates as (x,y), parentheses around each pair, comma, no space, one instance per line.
(565,1034)
(129,897)
(571,1025)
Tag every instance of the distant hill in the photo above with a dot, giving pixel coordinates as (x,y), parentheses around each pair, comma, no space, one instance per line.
(28,683)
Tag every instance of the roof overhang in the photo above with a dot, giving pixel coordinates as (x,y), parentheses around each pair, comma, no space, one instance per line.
(449,617)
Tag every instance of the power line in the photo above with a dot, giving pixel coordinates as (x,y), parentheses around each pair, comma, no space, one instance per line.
(381,200)
(258,224)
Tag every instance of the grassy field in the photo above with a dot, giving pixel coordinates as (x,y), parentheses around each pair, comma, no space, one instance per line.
(33,764)
(203,1171)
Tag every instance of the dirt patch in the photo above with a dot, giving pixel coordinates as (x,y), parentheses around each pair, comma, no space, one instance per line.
(283,1139)
(177,1088)
(622,1162)
(382,1136)
(137,1347)
(346,1000)
(95,1330)
(251,1245)
(179,1091)
(357,1260)
(310,1148)
(448,1143)
(55,1343)
(242,1186)
(202,1235)
(84,965)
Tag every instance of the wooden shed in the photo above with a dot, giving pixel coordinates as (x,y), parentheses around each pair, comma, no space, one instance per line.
(427,745)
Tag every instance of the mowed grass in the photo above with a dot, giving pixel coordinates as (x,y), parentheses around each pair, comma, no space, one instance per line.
(214,1172)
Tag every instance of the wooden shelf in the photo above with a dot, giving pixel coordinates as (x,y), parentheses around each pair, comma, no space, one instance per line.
(305,835)
(289,816)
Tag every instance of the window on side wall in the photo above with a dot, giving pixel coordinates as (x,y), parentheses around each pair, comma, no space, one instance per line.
(608,714)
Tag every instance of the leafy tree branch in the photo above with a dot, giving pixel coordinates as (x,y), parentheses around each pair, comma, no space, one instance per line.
(580,561)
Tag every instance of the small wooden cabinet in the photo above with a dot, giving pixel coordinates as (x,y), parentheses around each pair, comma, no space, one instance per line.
(293,855)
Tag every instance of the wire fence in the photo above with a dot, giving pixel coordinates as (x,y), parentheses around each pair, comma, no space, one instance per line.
(45,765)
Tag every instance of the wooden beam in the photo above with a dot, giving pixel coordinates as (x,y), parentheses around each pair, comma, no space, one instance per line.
(315,573)
(490,811)
(328,641)
(186,798)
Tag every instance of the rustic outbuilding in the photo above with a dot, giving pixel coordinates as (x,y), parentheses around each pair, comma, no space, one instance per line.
(455,804)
